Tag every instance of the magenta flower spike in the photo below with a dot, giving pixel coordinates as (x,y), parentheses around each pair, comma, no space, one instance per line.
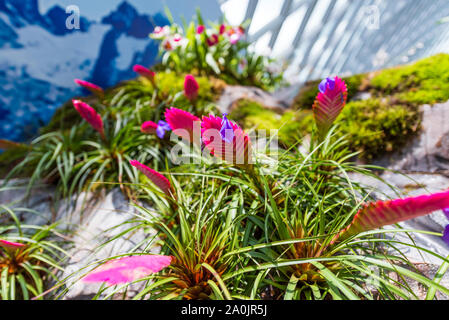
(382,213)
(329,102)
(226,140)
(183,123)
(128,269)
(146,73)
(11,245)
(191,87)
(148,127)
(158,179)
(98,91)
(200,29)
(222,29)
(90,115)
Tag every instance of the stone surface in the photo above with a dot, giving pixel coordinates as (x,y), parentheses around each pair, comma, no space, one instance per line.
(429,152)
(232,94)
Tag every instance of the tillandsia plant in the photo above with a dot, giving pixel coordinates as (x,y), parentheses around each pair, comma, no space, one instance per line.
(304,231)
(29,258)
(219,50)
(96,151)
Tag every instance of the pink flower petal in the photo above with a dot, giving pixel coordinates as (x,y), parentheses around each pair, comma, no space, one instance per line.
(237,152)
(11,245)
(382,213)
(180,120)
(145,72)
(128,269)
(158,179)
(91,87)
(148,127)
(191,87)
(200,29)
(90,115)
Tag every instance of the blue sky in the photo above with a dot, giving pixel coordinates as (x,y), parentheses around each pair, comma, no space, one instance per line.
(96,9)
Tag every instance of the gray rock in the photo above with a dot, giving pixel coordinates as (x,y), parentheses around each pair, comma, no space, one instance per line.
(429,151)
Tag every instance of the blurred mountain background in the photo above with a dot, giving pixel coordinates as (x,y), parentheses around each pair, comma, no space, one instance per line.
(40,57)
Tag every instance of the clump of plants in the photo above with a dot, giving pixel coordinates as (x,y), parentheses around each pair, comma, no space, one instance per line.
(219,50)
(387,120)
(29,257)
(235,228)
(92,148)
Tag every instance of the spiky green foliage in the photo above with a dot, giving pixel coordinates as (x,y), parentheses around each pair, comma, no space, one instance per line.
(25,273)
(391,116)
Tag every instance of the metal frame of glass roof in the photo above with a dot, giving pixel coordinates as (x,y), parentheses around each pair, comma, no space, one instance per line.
(341,36)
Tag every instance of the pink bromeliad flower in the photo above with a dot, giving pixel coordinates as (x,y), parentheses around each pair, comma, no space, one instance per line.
(382,213)
(11,245)
(191,87)
(329,102)
(148,127)
(90,115)
(128,269)
(158,179)
(98,91)
(146,73)
(226,140)
(184,124)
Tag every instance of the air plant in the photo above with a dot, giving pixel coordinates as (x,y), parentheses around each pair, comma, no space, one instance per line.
(91,116)
(146,73)
(328,104)
(96,90)
(26,266)
(191,87)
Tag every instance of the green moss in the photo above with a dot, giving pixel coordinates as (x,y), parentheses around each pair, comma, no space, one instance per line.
(292,125)
(424,82)
(375,127)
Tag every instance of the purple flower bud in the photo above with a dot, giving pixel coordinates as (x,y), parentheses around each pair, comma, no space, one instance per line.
(162,127)
(226,131)
(326,83)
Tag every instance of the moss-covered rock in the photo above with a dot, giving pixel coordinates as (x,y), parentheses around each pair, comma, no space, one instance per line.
(375,127)
(292,124)
(385,122)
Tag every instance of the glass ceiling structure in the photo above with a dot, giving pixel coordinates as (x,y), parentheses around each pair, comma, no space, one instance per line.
(320,38)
